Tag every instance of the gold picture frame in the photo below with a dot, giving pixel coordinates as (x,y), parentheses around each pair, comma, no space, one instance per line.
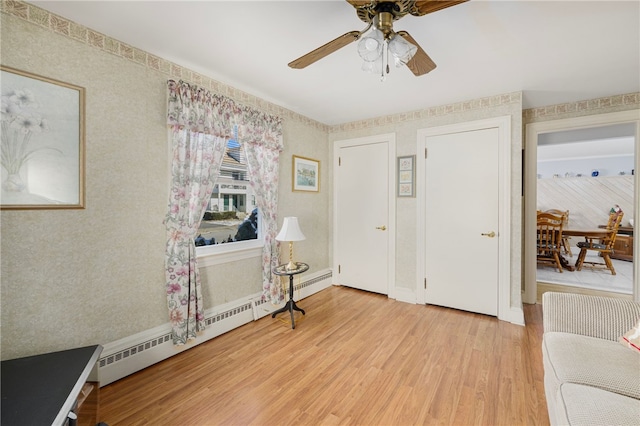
(305,174)
(43,142)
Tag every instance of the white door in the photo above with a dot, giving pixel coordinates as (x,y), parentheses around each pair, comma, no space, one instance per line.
(462,220)
(363,223)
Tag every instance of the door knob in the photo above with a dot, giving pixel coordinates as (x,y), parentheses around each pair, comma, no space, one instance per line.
(488,234)
(382,228)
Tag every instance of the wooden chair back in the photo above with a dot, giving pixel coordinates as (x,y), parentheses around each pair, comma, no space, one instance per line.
(549,232)
(549,238)
(563,213)
(613,224)
(565,224)
(603,246)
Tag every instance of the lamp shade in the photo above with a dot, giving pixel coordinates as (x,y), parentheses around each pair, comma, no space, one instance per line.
(290,230)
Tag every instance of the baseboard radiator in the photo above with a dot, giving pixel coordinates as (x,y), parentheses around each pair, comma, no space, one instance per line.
(134,353)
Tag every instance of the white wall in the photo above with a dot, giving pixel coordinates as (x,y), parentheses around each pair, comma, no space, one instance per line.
(612,156)
(583,167)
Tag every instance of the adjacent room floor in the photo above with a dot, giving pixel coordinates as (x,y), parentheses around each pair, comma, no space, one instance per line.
(595,279)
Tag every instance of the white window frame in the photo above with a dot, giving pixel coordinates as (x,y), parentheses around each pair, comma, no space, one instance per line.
(229,252)
(218,254)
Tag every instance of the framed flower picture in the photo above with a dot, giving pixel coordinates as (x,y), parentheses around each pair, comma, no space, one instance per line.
(42,145)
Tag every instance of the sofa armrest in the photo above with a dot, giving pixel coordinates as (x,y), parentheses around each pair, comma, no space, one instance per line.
(602,317)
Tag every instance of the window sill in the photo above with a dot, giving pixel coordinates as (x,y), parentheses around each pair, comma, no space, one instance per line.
(228,252)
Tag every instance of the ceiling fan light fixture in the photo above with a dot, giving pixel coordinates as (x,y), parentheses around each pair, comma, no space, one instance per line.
(371,44)
(372,67)
(380,15)
(401,50)
(370,47)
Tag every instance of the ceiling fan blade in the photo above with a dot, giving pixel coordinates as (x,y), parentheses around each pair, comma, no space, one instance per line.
(420,8)
(325,50)
(421,63)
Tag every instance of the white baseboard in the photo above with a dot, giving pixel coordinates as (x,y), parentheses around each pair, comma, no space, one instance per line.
(516,316)
(134,353)
(405,295)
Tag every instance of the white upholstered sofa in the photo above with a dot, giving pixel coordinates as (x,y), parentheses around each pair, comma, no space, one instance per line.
(589,377)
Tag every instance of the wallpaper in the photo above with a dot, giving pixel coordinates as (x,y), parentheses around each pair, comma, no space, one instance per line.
(80,277)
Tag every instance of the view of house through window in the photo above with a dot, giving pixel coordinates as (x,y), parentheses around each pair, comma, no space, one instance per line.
(231,213)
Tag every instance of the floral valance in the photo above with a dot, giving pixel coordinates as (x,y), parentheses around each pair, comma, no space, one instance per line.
(205,112)
(259,128)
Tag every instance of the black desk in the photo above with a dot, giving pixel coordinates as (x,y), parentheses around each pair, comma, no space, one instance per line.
(290,306)
(42,389)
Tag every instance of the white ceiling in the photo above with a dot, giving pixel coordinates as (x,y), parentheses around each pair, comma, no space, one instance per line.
(553,51)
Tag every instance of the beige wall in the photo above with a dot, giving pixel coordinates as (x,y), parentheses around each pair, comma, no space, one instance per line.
(80,277)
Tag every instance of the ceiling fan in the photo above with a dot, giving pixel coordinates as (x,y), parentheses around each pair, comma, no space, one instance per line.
(380,15)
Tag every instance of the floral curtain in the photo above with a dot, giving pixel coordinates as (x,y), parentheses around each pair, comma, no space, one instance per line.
(262,140)
(201,124)
(195,166)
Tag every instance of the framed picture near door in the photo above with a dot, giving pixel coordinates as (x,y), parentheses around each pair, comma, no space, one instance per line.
(306,174)
(406,176)
(42,142)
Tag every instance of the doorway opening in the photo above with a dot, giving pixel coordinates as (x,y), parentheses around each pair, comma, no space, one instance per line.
(588,172)
(565,132)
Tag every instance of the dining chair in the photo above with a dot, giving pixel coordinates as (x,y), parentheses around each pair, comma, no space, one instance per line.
(549,239)
(603,246)
(565,222)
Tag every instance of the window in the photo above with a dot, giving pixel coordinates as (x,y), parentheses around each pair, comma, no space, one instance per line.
(231,219)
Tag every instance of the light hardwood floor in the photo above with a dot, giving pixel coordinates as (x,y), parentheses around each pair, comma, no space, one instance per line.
(357,358)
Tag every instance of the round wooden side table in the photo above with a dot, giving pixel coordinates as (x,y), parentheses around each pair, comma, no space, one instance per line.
(290,306)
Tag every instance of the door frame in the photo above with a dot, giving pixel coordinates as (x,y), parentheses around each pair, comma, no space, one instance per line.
(532,131)
(503,124)
(390,140)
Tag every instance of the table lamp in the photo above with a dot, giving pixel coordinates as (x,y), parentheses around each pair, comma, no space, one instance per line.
(290,232)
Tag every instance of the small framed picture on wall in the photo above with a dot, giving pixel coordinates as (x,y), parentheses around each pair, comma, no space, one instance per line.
(406,176)
(306,174)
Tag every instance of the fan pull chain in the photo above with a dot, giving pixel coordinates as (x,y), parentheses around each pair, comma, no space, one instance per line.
(387,45)
(385,51)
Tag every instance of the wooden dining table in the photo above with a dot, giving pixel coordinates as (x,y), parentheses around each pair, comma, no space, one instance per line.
(587,233)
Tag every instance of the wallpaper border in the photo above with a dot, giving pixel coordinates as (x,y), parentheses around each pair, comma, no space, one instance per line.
(436,111)
(602,105)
